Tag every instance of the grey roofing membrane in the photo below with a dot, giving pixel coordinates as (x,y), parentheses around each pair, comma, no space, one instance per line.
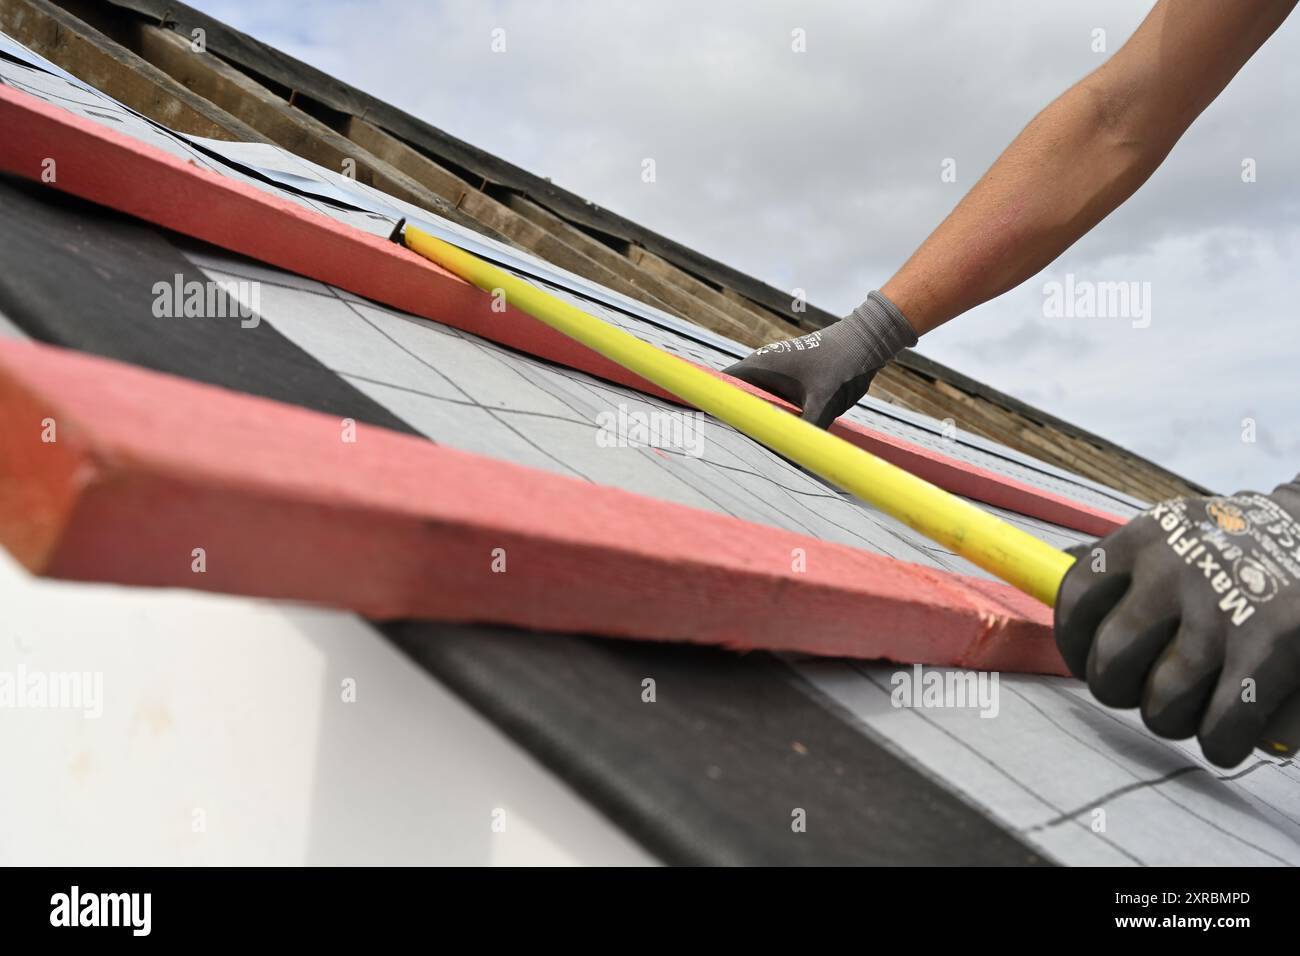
(1085,784)
(8,329)
(472,394)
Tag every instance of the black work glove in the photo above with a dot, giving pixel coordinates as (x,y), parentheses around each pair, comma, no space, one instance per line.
(826,372)
(1192,612)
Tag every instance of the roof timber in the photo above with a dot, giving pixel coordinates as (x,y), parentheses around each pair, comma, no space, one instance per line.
(684,300)
(278,121)
(95,58)
(557,242)
(941,400)
(361,525)
(767,330)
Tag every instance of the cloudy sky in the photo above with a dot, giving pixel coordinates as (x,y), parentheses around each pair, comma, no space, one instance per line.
(822,170)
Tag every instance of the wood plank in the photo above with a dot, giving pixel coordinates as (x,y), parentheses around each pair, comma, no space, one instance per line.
(645,286)
(458,193)
(766,315)
(1038,439)
(748,329)
(277,121)
(928,368)
(924,395)
(903,388)
(99,61)
(556,246)
(940,400)
(106,167)
(1045,443)
(148,467)
(767,331)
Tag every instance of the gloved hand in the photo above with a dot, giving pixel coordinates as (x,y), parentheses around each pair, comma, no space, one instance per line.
(1192,612)
(826,372)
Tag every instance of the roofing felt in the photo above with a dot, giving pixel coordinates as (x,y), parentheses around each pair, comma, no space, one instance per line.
(747,737)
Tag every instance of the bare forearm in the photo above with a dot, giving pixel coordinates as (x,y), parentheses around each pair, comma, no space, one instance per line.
(1062,175)
(1081,157)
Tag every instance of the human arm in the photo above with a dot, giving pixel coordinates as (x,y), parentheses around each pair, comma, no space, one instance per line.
(1072,165)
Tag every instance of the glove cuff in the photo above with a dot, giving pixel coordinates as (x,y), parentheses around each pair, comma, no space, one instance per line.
(879,332)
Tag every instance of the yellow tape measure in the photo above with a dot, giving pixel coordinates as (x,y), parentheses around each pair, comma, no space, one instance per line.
(1002,549)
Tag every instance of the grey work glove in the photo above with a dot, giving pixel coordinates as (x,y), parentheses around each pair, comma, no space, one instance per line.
(826,372)
(1191,611)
